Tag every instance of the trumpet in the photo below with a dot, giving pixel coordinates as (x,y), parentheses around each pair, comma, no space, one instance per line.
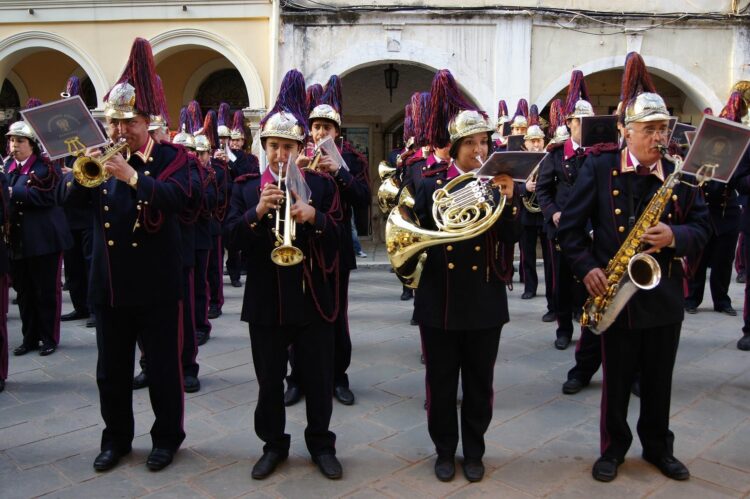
(89,171)
(316,157)
(285,254)
(529,200)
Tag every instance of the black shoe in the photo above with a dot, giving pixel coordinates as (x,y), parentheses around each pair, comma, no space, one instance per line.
(213,312)
(635,388)
(47,349)
(267,464)
(343,394)
(24,349)
(670,467)
(473,469)
(605,469)
(74,316)
(550,316)
(573,386)
(413,322)
(408,294)
(329,466)
(528,295)
(140,381)
(191,384)
(108,459)
(66,286)
(744,342)
(445,468)
(2,385)
(741,278)
(691,310)
(292,395)
(91,321)
(202,337)
(421,359)
(727,310)
(159,459)
(562,342)
(236,283)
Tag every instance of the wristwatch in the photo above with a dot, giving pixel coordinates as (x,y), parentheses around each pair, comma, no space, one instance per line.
(133,181)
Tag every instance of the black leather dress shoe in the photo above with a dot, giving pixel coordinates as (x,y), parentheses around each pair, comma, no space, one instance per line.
(213,312)
(159,459)
(202,337)
(744,342)
(24,349)
(74,316)
(727,310)
(47,349)
(343,394)
(528,295)
(267,464)
(191,384)
(635,388)
(741,278)
(605,469)
(407,294)
(691,310)
(445,468)
(91,321)
(413,322)
(573,386)
(236,283)
(473,469)
(2,385)
(562,342)
(108,459)
(670,467)
(140,381)
(329,466)
(550,316)
(292,395)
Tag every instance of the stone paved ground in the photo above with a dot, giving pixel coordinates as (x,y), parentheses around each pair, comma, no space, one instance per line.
(540,443)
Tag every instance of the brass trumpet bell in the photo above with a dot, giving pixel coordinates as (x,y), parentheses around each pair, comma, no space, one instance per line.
(286,256)
(89,171)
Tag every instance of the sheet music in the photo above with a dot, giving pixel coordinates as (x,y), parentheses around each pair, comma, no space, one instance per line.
(329,148)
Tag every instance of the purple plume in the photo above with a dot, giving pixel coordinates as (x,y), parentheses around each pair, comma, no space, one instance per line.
(522,109)
(333,94)
(194,117)
(446,101)
(291,99)
(73,86)
(313,96)
(408,123)
(210,128)
(224,114)
(735,108)
(502,109)
(162,100)
(183,118)
(577,90)
(32,103)
(140,72)
(635,79)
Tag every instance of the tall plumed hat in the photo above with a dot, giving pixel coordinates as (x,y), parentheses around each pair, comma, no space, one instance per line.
(238,126)
(420,113)
(502,113)
(287,118)
(521,117)
(312,96)
(160,120)
(710,111)
(183,137)
(408,124)
(223,119)
(329,106)
(577,103)
(72,87)
(136,90)
(452,116)
(558,129)
(32,102)
(736,109)
(534,131)
(209,130)
(638,92)
(194,117)
(743,86)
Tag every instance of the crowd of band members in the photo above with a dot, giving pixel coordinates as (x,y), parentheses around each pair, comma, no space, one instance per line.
(144,256)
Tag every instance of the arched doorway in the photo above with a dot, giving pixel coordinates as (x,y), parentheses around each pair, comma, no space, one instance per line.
(224,85)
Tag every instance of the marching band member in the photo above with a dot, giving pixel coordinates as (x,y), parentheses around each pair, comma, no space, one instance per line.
(557,175)
(520,121)
(137,267)
(613,188)
(502,118)
(290,305)
(354,194)
(4,283)
(461,301)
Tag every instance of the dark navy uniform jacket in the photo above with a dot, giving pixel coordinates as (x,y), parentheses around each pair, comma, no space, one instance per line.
(602,195)
(529,219)
(78,218)
(137,259)
(723,206)
(741,181)
(244,164)
(37,224)
(4,225)
(354,194)
(207,207)
(189,216)
(223,184)
(462,286)
(557,174)
(296,295)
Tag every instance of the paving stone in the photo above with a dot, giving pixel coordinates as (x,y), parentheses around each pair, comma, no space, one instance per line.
(180,491)
(233,480)
(186,465)
(720,475)
(693,488)
(30,483)
(111,484)
(732,449)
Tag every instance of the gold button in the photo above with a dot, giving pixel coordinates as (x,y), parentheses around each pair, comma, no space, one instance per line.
(137,225)
(618,211)
(270,216)
(615,192)
(107,225)
(111,242)
(28,181)
(138,207)
(20,213)
(669,215)
(449,248)
(621,228)
(477,248)
(614,173)
(474,268)
(439,182)
(451,266)
(106,208)
(104,191)
(68,184)
(135,245)
(147,173)
(674,197)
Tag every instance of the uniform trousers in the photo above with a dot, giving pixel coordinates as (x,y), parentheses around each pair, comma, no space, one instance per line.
(77,263)
(234,263)
(528,241)
(565,296)
(718,254)
(651,351)
(36,280)
(313,347)
(739,257)
(202,291)
(472,354)
(216,273)
(158,326)
(3,327)
(746,307)
(189,340)
(588,356)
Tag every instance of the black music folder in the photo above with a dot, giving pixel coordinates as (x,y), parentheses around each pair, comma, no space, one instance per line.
(517,164)
(717,149)
(599,130)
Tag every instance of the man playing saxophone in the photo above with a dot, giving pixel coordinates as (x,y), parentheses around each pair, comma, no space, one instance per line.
(613,189)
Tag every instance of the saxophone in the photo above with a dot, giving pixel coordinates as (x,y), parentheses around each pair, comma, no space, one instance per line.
(631,269)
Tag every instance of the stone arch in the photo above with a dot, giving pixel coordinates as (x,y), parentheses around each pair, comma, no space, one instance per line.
(16,47)
(19,85)
(201,74)
(686,81)
(170,42)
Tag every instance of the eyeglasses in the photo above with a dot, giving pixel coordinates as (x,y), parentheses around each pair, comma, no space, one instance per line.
(650,131)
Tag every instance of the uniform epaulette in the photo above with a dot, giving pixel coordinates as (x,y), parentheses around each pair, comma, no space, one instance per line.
(434,171)
(248,176)
(253,160)
(597,149)
(413,158)
(554,147)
